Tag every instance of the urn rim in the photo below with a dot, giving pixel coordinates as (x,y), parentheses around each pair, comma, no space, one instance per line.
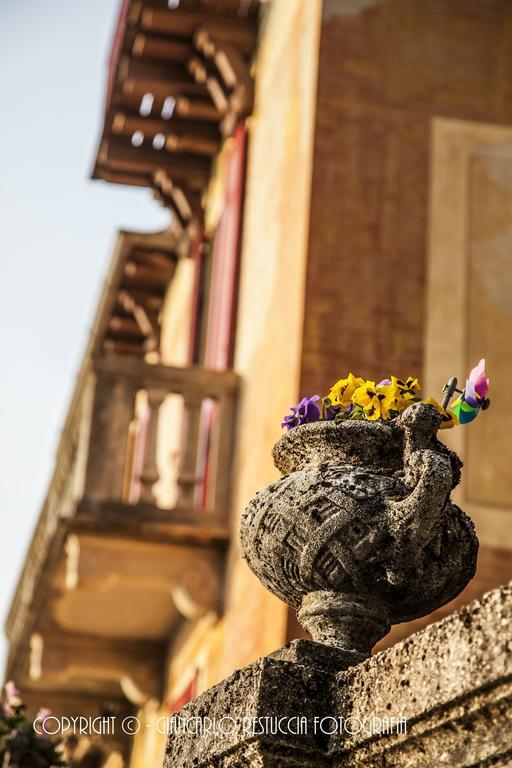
(319,441)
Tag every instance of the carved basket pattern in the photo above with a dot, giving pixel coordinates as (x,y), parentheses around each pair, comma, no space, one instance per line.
(363,520)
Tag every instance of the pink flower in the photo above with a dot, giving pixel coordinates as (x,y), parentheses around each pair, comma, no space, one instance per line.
(39,721)
(13,700)
(11,692)
(477,386)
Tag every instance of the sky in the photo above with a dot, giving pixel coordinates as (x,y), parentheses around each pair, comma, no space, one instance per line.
(57,230)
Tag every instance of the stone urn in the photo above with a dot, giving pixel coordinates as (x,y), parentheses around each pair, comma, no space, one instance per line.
(360,532)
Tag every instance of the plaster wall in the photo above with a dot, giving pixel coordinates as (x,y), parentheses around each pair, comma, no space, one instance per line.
(386,69)
(272,285)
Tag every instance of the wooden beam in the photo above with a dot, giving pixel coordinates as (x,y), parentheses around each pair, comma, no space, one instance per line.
(192,144)
(161,88)
(122,156)
(125,326)
(204,76)
(104,173)
(145,276)
(133,12)
(237,9)
(151,301)
(186,107)
(232,68)
(150,70)
(161,261)
(229,123)
(202,133)
(231,65)
(137,76)
(160,124)
(238,32)
(187,202)
(145,319)
(197,109)
(122,347)
(184,221)
(154,47)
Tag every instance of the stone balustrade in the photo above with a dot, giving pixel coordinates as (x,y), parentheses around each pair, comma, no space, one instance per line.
(123,471)
(104,490)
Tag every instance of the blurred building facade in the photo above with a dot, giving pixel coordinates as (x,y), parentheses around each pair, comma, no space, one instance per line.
(339,178)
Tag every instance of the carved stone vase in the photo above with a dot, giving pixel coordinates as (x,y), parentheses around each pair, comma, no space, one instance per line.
(360,533)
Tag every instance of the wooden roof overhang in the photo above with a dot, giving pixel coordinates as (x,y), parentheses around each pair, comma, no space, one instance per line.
(142,267)
(179,83)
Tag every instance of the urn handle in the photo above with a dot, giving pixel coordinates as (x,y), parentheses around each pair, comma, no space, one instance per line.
(428,473)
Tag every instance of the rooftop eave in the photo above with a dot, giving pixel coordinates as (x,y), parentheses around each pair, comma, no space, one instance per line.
(180,82)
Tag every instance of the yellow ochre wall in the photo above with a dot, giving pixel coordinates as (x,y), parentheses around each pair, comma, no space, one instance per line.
(271,295)
(270,307)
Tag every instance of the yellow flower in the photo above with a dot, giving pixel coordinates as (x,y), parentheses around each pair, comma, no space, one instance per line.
(372,411)
(409,388)
(412,384)
(406,392)
(449,418)
(375,401)
(341,392)
(364,393)
(389,396)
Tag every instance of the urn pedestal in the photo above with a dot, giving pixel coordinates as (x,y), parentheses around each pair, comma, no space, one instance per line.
(360,532)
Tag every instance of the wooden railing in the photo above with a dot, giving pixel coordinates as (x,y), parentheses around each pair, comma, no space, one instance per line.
(123,461)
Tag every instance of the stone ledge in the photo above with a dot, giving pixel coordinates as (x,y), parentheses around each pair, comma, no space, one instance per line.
(269,688)
(452,682)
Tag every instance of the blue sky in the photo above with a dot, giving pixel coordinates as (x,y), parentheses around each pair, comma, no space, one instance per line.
(57,229)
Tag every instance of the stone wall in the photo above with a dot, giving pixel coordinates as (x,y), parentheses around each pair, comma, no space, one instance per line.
(442,697)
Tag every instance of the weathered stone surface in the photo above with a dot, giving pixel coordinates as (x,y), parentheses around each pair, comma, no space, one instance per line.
(292,686)
(448,689)
(452,682)
(361,531)
(237,710)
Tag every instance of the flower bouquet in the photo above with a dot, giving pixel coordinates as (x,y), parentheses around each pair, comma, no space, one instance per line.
(356,398)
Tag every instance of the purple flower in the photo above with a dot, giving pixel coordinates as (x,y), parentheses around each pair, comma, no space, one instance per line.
(305,412)
(331,411)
